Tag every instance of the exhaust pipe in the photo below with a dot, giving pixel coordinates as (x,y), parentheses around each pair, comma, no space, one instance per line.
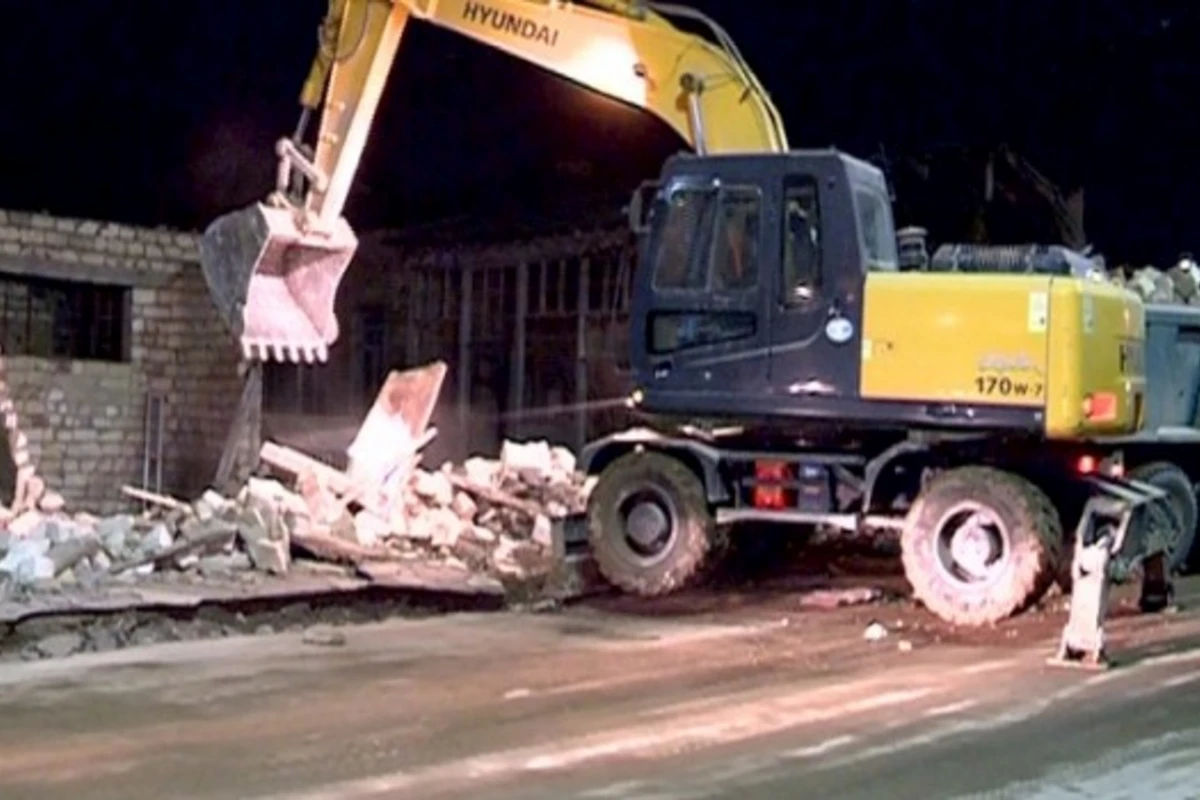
(274,284)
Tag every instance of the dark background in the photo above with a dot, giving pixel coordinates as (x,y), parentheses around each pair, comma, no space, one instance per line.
(166,112)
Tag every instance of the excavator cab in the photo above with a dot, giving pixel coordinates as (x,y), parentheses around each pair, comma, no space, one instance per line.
(749,292)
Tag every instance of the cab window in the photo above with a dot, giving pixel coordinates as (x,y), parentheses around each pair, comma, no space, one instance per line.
(877,232)
(801,240)
(678,262)
(735,240)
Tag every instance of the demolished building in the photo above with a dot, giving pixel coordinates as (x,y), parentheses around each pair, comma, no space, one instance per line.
(118,368)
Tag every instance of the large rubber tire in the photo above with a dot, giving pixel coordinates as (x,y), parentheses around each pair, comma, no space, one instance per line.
(1182,497)
(693,541)
(1026,569)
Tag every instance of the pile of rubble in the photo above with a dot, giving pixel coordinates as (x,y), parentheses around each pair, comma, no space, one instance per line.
(1178,285)
(480,525)
(485,517)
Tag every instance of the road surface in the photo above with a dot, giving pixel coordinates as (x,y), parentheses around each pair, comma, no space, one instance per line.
(744,700)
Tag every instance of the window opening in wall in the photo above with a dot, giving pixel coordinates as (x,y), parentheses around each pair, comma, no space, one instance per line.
(49,318)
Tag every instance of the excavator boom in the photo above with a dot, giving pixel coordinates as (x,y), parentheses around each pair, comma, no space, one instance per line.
(273,269)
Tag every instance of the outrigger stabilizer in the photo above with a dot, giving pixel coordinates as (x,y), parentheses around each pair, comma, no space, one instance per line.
(1124,524)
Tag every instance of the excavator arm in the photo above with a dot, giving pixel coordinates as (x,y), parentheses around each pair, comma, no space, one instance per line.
(274,269)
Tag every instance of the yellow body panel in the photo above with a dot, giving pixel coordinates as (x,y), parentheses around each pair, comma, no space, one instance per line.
(1053,344)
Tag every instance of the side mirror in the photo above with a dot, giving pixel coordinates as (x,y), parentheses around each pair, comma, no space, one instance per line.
(638,210)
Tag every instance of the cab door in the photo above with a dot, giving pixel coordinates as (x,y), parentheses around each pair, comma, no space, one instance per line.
(815,337)
(702,321)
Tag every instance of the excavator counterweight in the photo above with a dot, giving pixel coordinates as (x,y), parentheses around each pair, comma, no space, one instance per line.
(275,284)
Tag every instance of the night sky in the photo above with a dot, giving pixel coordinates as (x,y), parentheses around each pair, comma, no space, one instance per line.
(166,112)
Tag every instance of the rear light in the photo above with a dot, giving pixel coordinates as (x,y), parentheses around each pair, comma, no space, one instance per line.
(768,472)
(1101,406)
(1113,465)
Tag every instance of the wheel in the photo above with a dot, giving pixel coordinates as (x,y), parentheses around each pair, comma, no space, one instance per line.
(1182,497)
(980,545)
(649,524)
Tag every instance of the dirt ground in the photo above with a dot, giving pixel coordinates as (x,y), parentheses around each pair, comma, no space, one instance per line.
(569,703)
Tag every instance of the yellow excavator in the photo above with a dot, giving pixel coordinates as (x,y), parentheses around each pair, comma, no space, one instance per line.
(986,408)
(274,269)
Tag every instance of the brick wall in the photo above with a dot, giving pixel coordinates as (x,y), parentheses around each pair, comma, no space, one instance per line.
(85,418)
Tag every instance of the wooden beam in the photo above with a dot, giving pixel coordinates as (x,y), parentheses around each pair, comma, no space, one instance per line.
(248,412)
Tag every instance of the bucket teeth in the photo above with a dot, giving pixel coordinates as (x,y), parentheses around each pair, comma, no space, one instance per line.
(286,351)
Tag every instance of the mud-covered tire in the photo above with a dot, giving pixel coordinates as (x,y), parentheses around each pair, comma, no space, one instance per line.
(1028,525)
(693,542)
(1182,497)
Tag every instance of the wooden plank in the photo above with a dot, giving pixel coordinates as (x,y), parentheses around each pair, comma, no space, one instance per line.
(338,551)
(153,497)
(243,420)
(298,464)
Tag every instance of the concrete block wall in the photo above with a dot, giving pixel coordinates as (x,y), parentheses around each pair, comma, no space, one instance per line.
(85,419)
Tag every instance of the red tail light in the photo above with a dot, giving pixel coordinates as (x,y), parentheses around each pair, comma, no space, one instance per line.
(767,472)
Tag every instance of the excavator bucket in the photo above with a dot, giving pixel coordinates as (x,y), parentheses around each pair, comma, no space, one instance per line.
(274,284)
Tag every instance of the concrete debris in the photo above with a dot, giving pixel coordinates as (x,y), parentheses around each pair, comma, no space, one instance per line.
(494,522)
(323,636)
(490,519)
(875,632)
(1177,285)
(829,599)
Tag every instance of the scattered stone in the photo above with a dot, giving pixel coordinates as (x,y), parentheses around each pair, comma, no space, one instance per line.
(838,598)
(223,564)
(52,503)
(211,504)
(269,555)
(27,563)
(875,632)
(433,487)
(69,553)
(219,535)
(158,538)
(369,529)
(102,640)
(543,532)
(323,636)
(115,533)
(464,506)
(61,645)
(26,524)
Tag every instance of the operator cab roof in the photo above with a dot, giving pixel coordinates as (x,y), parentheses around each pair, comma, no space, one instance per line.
(828,162)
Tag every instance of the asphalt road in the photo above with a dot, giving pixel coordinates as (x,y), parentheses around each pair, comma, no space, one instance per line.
(750,700)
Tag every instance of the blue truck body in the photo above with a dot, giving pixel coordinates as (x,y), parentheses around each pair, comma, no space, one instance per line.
(1172,367)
